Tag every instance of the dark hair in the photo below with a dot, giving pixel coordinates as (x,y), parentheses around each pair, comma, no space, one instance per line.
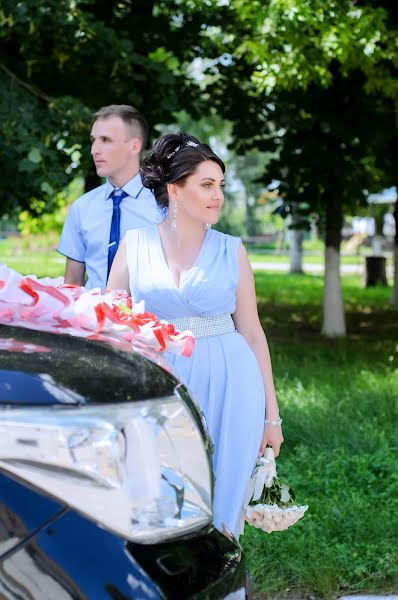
(132,118)
(173,158)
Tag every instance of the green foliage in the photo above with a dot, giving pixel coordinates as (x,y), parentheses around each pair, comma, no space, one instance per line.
(315,84)
(278,493)
(37,159)
(39,221)
(77,57)
(232,219)
(293,43)
(329,140)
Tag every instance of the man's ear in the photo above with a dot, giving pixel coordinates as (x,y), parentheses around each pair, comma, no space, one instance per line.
(135,145)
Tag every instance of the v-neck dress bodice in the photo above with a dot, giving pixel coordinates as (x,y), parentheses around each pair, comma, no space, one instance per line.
(222,374)
(208,288)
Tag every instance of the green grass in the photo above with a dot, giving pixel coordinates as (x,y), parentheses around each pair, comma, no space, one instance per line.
(306,291)
(339,404)
(313,244)
(35,256)
(339,401)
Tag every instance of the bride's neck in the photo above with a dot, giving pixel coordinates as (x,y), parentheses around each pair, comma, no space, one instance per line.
(185,233)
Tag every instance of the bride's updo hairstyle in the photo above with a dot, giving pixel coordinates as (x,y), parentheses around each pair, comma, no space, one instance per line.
(173,158)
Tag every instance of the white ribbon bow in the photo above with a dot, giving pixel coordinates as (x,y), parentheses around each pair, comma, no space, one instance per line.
(263,476)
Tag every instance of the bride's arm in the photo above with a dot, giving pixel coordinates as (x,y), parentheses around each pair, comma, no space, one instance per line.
(119,275)
(248,324)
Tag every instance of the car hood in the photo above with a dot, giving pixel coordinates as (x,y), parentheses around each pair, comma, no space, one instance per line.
(41,368)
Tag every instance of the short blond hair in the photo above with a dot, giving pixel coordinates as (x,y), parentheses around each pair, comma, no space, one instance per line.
(133,119)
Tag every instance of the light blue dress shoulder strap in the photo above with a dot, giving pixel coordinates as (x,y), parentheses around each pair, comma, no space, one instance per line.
(232,244)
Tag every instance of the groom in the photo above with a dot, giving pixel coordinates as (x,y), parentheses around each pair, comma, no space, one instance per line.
(98,220)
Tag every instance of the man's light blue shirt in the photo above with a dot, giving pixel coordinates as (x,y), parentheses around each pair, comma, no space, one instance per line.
(85,235)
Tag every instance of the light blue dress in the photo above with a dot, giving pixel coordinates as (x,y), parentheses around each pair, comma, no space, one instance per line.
(222,374)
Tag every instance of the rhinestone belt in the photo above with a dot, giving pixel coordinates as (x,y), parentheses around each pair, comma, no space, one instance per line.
(202,327)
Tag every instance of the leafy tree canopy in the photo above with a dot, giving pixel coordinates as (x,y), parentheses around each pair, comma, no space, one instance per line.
(292,43)
(62,59)
(315,82)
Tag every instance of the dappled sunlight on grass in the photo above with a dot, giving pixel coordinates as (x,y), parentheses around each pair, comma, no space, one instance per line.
(283,288)
(340,455)
(290,307)
(339,402)
(346,541)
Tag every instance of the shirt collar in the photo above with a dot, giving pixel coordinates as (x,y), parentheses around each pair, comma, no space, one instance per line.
(133,187)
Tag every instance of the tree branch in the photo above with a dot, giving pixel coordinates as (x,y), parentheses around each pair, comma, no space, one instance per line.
(31,89)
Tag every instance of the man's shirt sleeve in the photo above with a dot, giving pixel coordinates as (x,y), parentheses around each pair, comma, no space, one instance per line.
(71,243)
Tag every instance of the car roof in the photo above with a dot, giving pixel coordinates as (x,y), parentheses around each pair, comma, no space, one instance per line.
(38,367)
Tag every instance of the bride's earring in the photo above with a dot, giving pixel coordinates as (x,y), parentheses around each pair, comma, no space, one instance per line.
(206,225)
(174,221)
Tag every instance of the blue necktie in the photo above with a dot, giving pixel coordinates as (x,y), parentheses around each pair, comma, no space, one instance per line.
(114,235)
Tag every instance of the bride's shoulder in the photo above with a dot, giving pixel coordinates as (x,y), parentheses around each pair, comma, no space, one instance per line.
(230,240)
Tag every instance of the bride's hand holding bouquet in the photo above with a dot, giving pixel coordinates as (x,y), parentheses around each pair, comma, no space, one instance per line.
(272,435)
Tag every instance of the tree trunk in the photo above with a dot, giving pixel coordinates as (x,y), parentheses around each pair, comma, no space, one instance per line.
(295,242)
(376,271)
(378,238)
(333,308)
(296,251)
(377,245)
(249,216)
(394,294)
(281,239)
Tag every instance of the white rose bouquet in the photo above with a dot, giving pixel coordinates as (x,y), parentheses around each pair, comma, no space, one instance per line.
(269,503)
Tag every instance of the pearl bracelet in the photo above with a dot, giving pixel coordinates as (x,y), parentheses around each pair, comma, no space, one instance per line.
(273,422)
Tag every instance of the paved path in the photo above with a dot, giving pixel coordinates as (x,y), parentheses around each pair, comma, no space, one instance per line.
(311,268)
(352,597)
(307,267)
(366,597)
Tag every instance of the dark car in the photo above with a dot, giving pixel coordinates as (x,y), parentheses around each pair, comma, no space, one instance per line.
(105,478)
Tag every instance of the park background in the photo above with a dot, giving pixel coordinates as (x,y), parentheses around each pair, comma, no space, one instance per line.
(300,98)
